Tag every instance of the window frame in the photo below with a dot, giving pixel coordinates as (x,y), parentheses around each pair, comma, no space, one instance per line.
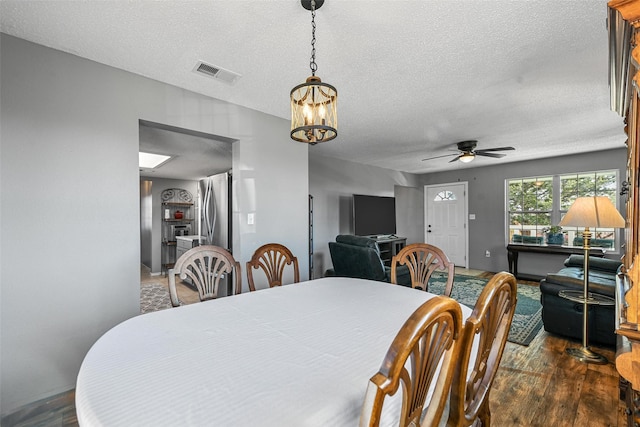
(556,213)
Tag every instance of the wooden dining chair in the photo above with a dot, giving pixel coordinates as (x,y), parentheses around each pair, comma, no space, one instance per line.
(205,266)
(272,258)
(488,326)
(422,260)
(420,361)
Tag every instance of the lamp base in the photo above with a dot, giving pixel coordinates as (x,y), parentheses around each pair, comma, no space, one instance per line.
(584,354)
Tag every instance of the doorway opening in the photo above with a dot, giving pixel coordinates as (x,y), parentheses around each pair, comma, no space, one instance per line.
(195,159)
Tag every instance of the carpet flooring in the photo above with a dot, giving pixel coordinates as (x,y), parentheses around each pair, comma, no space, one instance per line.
(154,297)
(527,320)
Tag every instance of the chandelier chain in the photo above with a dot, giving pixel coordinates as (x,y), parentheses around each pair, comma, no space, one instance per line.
(312,64)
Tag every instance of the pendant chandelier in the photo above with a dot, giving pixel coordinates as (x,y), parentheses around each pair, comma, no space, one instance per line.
(314,115)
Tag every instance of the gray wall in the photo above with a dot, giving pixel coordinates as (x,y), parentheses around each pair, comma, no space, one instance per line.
(70,207)
(333,182)
(409,213)
(270,180)
(487,202)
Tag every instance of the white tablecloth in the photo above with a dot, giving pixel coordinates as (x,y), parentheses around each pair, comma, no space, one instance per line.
(298,355)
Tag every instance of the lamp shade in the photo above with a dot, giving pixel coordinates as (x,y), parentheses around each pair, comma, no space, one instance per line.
(596,212)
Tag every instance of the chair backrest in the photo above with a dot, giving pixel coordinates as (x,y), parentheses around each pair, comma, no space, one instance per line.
(205,266)
(422,260)
(272,259)
(488,326)
(357,256)
(422,357)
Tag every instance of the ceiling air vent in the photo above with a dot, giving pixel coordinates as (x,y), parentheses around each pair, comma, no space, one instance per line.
(216,72)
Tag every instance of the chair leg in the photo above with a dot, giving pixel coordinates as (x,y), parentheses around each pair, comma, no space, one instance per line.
(484,414)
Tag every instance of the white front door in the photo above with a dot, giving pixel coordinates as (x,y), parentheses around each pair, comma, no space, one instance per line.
(446,220)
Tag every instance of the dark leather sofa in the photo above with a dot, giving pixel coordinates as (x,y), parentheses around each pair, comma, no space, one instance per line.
(564,317)
(359,257)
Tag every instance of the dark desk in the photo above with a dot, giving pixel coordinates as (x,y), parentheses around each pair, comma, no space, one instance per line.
(513,249)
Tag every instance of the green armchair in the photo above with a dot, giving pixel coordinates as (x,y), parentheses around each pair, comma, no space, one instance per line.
(359,257)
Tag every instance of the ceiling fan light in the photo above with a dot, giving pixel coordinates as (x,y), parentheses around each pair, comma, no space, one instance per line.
(466,157)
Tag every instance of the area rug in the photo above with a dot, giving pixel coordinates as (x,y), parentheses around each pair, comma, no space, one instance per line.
(154,297)
(527,320)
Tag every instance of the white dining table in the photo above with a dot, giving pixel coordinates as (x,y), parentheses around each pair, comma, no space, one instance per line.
(296,355)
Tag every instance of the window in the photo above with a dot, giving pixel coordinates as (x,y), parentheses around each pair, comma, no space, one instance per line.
(536,203)
(588,184)
(444,195)
(530,204)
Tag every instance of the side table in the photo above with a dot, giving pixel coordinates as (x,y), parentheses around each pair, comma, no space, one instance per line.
(585,354)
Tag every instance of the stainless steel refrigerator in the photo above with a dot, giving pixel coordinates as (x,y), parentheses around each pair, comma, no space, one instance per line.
(215,218)
(215,223)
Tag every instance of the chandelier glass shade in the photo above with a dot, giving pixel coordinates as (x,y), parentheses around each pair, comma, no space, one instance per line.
(314,104)
(314,115)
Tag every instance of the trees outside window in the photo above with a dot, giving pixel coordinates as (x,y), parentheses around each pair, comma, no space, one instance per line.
(530,205)
(537,203)
(603,183)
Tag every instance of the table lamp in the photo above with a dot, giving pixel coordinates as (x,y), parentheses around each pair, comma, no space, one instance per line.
(588,212)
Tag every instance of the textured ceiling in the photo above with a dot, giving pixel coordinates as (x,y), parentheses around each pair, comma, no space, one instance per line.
(413,77)
(194,155)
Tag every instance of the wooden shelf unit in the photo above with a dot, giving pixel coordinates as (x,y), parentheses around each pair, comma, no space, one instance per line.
(624,65)
(173,200)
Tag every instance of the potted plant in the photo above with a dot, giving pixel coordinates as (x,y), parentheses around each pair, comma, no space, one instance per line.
(554,235)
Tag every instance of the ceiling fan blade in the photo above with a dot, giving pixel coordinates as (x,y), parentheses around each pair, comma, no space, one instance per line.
(439,157)
(496,149)
(456,159)
(496,155)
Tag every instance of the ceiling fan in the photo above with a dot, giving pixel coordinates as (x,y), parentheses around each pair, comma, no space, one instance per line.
(467,152)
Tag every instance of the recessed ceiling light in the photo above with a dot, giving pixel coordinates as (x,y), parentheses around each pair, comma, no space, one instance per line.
(150,160)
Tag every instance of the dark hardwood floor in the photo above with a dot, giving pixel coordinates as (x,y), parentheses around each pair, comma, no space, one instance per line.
(540,385)
(537,385)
